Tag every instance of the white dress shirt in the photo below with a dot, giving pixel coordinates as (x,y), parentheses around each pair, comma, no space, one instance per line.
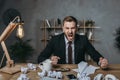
(66,44)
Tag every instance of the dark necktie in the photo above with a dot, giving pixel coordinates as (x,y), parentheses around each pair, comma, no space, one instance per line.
(69,52)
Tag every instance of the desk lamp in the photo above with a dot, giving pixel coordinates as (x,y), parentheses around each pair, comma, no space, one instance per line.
(8,30)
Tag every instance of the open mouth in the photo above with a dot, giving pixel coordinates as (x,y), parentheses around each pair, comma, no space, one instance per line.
(70,36)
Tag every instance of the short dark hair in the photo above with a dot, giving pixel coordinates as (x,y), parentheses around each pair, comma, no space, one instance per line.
(70,19)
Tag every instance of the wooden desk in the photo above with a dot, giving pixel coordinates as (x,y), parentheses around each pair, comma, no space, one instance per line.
(113,69)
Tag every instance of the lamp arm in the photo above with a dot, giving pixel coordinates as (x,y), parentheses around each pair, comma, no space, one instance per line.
(9,61)
(12,25)
(7,31)
(5,50)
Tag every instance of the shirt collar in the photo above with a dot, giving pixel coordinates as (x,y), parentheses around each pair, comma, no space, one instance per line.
(66,40)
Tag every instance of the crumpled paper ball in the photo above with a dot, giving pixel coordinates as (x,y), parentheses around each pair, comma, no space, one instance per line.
(24,70)
(31,66)
(23,77)
(82,77)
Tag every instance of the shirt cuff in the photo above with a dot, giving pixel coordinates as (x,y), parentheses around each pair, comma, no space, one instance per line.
(99,63)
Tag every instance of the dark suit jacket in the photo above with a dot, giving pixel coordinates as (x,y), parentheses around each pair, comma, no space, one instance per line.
(56,46)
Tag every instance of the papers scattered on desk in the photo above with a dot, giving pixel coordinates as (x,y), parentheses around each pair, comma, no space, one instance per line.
(90,69)
(50,74)
(84,70)
(31,66)
(83,77)
(83,67)
(48,78)
(24,70)
(23,77)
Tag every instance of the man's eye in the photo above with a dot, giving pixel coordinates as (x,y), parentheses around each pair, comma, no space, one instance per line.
(67,28)
(73,28)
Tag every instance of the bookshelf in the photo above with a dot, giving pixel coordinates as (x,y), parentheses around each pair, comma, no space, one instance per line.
(53,27)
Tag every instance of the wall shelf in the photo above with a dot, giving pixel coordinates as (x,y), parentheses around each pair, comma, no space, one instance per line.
(51,30)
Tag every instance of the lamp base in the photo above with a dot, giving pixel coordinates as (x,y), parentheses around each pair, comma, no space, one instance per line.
(11,70)
(10,63)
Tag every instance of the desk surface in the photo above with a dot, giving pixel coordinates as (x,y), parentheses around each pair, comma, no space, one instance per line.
(113,69)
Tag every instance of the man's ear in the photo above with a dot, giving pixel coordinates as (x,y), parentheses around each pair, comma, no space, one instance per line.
(76,29)
(62,28)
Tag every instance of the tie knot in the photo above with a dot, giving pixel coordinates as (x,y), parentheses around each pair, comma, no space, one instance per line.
(70,42)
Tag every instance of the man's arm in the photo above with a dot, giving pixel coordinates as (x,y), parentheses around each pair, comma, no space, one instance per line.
(96,56)
(47,52)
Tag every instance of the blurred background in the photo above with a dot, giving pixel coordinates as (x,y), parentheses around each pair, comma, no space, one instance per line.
(105,14)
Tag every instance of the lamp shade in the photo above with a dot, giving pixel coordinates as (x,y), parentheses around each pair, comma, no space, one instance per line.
(9,15)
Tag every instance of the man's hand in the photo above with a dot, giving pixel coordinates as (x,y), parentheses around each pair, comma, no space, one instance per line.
(103,63)
(54,59)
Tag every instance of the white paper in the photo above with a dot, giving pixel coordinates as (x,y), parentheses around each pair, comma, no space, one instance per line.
(54,74)
(48,78)
(23,77)
(46,65)
(24,70)
(83,77)
(83,68)
(42,74)
(31,66)
(90,69)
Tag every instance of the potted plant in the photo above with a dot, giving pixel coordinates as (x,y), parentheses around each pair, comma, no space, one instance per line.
(21,50)
(89,23)
(117,38)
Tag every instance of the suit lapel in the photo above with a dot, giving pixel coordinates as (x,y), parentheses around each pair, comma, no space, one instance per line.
(63,48)
(76,44)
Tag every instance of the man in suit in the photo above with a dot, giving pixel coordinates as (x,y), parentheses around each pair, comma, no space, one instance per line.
(57,48)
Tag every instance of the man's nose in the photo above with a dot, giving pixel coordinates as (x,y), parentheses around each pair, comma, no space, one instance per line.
(70,30)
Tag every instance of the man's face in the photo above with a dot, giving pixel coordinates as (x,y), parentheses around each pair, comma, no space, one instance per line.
(69,28)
